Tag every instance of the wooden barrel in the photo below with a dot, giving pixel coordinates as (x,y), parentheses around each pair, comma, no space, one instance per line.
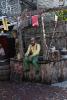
(63,54)
(54,55)
(4,69)
(16,70)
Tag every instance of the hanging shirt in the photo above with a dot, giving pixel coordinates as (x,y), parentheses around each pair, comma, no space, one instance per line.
(2,52)
(33,50)
(35,21)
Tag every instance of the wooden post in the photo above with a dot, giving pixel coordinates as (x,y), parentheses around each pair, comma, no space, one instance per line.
(20,40)
(44,37)
(20,44)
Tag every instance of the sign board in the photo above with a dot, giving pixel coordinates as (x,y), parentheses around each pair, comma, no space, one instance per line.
(51,3)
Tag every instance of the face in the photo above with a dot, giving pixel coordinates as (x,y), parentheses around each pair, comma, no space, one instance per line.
(33,41)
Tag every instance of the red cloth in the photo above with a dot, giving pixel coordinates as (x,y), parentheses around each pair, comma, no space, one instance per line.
(35,21)
(4,42)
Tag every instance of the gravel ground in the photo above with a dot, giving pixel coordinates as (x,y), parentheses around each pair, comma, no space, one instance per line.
(31,91)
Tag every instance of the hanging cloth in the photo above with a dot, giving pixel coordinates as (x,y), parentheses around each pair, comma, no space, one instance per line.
(35,21)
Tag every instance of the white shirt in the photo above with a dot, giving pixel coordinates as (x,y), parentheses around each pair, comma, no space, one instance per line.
(2,52)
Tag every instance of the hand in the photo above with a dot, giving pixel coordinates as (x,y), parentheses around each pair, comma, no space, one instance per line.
(30,58)
(26,54)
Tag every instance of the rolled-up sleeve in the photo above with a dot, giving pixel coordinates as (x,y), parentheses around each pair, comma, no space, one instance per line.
(28,51)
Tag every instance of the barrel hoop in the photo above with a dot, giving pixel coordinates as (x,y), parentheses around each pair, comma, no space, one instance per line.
(2,63)
(4,72)
(4,78)
(4,67)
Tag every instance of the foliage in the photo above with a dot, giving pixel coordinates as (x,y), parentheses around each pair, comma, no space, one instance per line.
(62,15)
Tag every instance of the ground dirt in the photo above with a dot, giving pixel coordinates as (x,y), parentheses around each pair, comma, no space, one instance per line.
(31,91)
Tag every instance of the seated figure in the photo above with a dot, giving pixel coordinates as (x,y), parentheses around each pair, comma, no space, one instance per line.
(31,56)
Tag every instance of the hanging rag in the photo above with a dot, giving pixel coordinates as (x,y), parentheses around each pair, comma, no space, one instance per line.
(35,21)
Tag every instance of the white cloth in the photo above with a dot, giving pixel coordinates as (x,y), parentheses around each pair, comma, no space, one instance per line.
(2,52)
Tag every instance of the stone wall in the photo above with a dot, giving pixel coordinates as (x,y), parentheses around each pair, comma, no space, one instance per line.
(10,7)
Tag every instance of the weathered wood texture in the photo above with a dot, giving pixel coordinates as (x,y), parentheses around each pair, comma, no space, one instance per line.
(16,70)
(53,72)
(49,73)
(57,37)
